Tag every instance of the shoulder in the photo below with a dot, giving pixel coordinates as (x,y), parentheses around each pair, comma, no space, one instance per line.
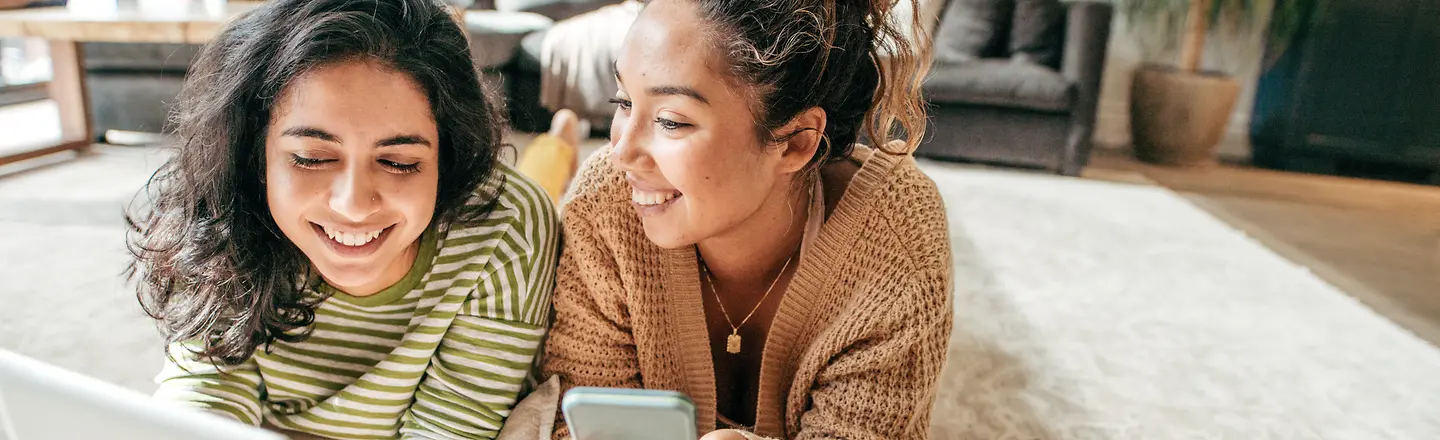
(604,237)
(510,251)
(902,252)
(907,215)
(523,196)
(599,210)
(508,198)
(508,215)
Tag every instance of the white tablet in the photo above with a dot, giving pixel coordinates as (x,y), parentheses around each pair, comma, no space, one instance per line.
(42,401)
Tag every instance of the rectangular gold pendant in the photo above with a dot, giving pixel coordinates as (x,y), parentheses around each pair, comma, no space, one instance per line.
(732,343)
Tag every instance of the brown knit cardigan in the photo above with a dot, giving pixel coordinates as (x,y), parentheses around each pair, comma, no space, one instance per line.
(856,346)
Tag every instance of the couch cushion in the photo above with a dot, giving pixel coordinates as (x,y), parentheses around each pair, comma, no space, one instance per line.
(145,57)
(495,36)
(1000,82)
(1037,31)
(971,29)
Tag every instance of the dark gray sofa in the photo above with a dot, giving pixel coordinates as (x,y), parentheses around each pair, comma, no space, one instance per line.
(132,86)
(1030,111)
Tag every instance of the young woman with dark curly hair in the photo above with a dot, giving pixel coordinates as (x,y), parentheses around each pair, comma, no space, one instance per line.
(733,243)
(334,247)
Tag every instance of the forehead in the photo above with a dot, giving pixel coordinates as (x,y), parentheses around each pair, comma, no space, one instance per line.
(360,102)
(356,97)
(669,43)
(351,81)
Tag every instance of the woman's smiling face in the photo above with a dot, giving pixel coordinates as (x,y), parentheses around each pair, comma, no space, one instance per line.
(684,134)
(352,171)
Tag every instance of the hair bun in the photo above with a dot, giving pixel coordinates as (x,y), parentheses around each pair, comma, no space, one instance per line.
(860,61)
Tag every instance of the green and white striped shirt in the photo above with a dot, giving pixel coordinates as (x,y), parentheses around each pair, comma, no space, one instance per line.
(444,353)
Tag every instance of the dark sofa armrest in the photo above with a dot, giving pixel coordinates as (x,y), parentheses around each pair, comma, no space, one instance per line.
(1087,36)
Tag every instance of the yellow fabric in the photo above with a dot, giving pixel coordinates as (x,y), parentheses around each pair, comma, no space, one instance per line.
(551,162)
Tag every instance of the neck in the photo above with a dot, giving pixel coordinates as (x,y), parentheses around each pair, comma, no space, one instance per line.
(751,255)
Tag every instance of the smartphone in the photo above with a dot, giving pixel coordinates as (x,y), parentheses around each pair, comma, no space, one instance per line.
(628,414)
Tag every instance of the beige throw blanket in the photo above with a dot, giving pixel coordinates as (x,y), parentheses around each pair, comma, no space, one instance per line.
(577,59)
(534,417)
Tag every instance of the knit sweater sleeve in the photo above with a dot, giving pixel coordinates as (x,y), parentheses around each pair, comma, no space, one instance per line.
(882,385)
(591,343)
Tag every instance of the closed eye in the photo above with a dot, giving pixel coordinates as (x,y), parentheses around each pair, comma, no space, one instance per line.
(308,163)
(624,104)
(403,168)
(669,125)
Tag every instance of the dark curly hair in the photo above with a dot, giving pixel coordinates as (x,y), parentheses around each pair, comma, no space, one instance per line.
(859,60)
(210,263)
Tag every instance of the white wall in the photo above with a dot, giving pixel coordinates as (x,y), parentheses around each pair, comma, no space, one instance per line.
(1235,51)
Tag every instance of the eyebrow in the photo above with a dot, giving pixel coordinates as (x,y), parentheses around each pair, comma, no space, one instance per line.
(678,91)
(312,132)
(404,139)
(668,90)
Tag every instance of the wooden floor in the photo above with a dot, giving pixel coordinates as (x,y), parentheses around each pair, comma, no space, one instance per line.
(1378,241)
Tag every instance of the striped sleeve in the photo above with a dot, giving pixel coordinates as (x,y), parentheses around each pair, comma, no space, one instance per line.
(488,352)
(520,273)
(233,391)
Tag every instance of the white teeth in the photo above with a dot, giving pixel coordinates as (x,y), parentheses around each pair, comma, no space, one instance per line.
(352,238)
(651,198)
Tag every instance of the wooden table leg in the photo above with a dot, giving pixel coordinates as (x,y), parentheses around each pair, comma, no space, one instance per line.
(67,88)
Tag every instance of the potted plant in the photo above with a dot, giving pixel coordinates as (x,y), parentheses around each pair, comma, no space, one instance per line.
(1179,113)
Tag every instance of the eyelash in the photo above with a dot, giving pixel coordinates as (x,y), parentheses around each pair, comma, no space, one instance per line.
(405,168)
(669,125)
(307,163)
(666,124)
(310,164)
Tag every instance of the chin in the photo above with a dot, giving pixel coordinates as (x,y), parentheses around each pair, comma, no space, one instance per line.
(667,237)
(354,274)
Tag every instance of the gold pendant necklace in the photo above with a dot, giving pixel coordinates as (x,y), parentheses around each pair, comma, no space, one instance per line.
(732,343)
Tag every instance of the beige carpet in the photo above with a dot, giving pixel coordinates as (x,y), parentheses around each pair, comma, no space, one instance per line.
(1085,310)
(1097,310)
(62,297)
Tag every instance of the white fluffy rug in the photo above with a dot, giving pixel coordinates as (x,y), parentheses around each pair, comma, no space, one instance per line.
(1096,310)
(1085,310)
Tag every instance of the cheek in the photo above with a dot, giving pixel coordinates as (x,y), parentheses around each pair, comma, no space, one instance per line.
(714,180)
(686,168)
(617,124)
(415,197)
(285,189)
